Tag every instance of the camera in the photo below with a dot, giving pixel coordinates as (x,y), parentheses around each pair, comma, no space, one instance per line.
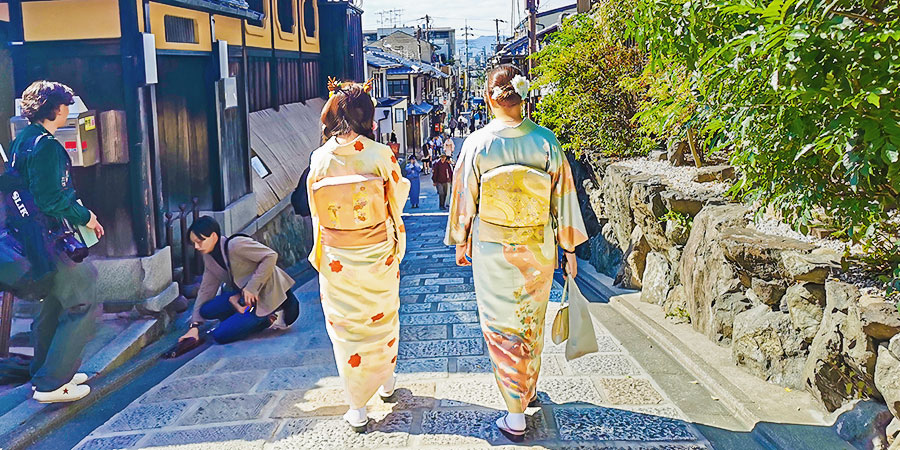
(74,249)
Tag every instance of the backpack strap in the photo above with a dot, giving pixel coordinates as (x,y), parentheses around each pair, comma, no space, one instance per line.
(228,258)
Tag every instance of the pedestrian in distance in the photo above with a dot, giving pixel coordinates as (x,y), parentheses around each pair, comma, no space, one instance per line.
(442,178)
(514,202)
(449,147)
(452,126)
(426,158)
(67,318)
(359,240)
(255,292)
(413,170)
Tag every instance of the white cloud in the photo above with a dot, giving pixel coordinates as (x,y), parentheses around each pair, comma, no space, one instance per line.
(446,13)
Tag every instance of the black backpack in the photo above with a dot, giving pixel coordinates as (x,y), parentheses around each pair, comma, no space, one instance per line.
(25,244)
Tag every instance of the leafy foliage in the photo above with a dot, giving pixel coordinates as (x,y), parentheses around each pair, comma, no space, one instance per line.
(803,95)
(581,68)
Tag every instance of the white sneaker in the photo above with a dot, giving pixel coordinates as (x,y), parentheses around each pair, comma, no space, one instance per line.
(66,393)
(387,390)
(78,378)
(279,323)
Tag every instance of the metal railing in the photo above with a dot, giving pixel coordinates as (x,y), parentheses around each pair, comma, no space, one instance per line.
(184,252)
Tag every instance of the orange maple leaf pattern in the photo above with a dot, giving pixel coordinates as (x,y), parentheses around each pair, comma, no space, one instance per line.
(389,261)
(359,146)
(355,360)
(336,266)
(377,317)
(391,343)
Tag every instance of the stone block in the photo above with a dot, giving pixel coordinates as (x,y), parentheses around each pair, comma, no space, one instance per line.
(760,255)
(768,292)
(390,432)
(145,417)
(881,321)
(220,437)
(607,424)
(806,305)
(238,408)
(766,344)
(467,330)
(419,367)
(474,427)
(298,359)
(415,308)
(568,391)
(473,364)
(887,376)
(111,443)
(457,288)
(657,279)
(439,318)
(630,391)
(444,348)
(457,306)
(290,378)
(205,386)
(451,297)
(862,424)
(132,279)
(322,401)
(471,392)
(599,364)
(158,302)
(423,332)
(419,290)
(714,173)
(812,267)
(658,155)
(443,281)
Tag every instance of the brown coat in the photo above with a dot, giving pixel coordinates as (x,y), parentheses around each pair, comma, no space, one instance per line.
(254,269)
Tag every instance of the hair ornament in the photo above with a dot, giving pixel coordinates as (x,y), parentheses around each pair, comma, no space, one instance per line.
(333,86)
(367,87)
(521,85)
(497,92)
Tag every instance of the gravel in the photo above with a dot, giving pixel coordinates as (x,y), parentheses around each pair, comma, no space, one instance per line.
(681,177)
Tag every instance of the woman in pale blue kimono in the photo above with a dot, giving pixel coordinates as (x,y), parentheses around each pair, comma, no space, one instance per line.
(413,170)
(513,204)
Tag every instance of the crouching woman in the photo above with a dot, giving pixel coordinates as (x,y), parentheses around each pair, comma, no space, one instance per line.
(256,293)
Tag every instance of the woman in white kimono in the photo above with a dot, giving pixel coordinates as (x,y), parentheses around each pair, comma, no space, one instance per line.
(356,199)
(513,204)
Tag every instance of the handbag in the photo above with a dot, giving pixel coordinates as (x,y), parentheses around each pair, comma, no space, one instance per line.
(573,323)
(300,198)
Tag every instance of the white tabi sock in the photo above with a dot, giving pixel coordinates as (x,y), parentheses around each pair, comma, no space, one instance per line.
(516,421)
(355,416)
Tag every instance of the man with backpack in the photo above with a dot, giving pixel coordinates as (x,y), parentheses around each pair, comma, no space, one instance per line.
(67,318)
(256,294)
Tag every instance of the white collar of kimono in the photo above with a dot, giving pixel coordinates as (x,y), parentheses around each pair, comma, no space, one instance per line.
(508,131)
(347,147)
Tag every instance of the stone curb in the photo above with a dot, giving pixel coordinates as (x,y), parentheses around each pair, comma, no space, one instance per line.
(720,386)
(30,420)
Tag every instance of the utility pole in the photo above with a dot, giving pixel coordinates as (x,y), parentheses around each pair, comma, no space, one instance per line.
(467,33)
(584,6)
(497,23)
(532,42)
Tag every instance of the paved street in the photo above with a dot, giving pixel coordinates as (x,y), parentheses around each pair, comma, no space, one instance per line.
(281,390)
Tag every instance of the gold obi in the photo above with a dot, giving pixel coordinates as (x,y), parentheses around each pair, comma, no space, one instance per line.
(514,204)
(350,202)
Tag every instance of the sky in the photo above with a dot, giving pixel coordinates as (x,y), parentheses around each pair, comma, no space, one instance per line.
(453,13)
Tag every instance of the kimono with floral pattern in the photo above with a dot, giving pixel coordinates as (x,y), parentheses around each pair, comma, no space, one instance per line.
(513,281)
(360,282)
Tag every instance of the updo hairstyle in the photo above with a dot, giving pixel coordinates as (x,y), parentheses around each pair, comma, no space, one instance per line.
(350,109)
(501,77)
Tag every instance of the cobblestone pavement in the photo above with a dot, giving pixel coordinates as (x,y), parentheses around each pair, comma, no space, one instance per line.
(281,390)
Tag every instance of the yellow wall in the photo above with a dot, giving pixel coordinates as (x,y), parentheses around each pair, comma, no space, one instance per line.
(140,14)
(83,19)
(261,37)
(201,28)
(228,29)
(286,41)
(310,45)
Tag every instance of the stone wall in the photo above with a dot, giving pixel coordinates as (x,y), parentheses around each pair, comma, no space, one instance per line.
(288,234)
(773,300)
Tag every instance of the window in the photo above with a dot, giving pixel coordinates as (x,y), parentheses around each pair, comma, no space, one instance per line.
(309,18)
(399,115)
(256,5)
(398,88)
(286,15)
(180,29)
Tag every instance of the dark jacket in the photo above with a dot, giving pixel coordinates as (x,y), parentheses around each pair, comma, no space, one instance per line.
(443,172)
(46,170)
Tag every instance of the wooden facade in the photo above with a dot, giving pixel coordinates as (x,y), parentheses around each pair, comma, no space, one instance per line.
(184,138)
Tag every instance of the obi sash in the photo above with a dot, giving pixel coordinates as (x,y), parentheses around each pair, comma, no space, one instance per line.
(515,204)
(350,202)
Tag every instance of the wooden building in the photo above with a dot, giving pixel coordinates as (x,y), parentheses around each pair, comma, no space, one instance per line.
(189,79)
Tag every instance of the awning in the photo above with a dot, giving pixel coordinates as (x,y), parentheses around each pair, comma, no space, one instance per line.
(231,8)
(421,109)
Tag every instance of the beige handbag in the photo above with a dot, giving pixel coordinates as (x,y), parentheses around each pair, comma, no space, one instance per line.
(573,323)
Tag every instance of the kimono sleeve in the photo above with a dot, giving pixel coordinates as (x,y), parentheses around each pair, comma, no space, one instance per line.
(564,207)
(464,196)
(315,255)
(396,191)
